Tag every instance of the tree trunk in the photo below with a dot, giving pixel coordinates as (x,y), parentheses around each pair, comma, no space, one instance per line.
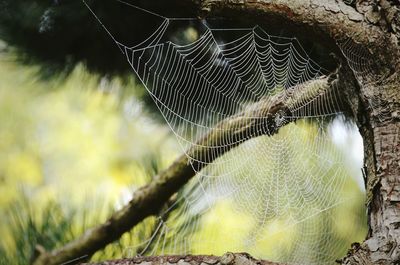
(381,133)
(351,30)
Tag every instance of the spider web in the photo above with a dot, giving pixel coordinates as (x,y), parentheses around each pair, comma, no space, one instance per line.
(267,191)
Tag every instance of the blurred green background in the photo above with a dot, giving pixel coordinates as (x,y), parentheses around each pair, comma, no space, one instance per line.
(78,135)
(81,142)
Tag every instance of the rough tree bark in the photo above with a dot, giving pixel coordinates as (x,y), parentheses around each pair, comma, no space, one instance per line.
(226,259)
(375,102)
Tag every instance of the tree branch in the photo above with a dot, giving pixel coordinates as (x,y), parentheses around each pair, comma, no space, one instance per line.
(227,259)
(262,118)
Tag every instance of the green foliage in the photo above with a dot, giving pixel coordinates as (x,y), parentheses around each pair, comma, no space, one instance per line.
(50,227)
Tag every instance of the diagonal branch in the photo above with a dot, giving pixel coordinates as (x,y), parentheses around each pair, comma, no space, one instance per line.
(261,118)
